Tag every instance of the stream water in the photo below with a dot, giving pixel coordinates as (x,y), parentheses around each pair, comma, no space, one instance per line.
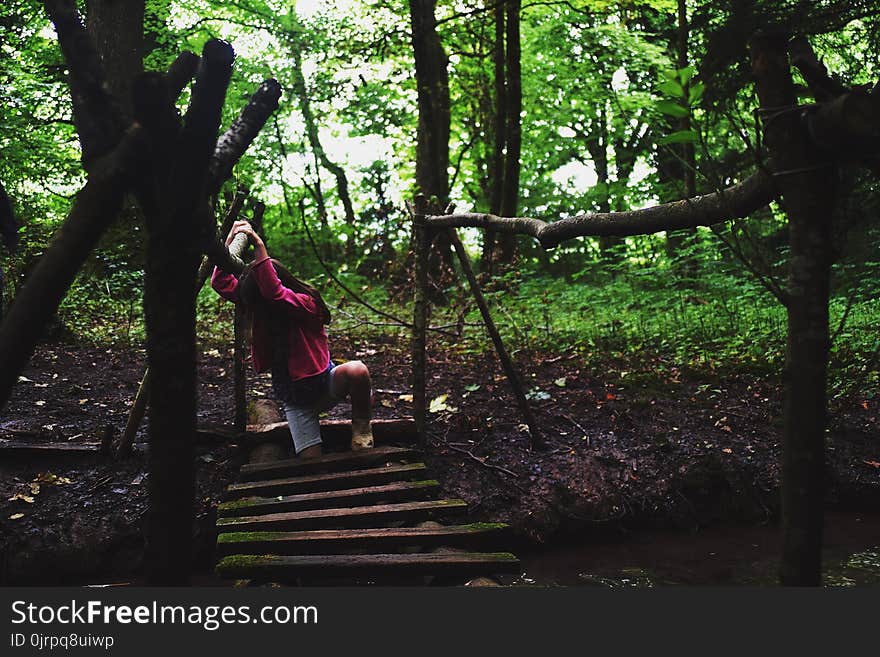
(721,556)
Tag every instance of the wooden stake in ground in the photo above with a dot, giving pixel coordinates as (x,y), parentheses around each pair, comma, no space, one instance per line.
(534,435)
(420,314)
(139,408)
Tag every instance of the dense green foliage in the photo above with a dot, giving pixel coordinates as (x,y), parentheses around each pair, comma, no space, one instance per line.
(602,97)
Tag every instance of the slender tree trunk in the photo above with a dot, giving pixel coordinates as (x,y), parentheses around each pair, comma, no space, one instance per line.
(499,123)
(421,312)
(676,241)
(513,128)
(806,181)
(305,105)
(599,153)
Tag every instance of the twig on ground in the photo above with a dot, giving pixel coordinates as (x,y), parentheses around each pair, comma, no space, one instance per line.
(579,427)
(482,462)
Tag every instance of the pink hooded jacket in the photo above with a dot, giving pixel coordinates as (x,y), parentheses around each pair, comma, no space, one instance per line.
(307,346)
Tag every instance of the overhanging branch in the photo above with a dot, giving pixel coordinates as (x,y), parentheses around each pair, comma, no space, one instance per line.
(736,201)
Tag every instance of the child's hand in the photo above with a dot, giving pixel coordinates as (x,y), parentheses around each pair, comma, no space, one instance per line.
(236,228)
(260,252)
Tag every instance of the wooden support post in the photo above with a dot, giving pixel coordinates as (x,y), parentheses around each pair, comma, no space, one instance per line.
(239,374)
(420,315)
(139,408)
(535,436)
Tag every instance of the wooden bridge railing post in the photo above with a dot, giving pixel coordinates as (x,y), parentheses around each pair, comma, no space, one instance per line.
(420,315)
(535,436)
(236,249)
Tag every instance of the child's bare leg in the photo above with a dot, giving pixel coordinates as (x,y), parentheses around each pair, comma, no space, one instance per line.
(353,379)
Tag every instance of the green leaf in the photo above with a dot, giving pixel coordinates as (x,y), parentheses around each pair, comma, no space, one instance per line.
(671,88)
(685,74)
(695,93)
(472,387)
(679,137)
(672,109)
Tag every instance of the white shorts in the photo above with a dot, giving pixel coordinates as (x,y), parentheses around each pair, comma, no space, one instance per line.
(303,420)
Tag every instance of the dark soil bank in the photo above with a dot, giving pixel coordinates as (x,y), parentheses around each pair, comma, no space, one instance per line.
(637,444)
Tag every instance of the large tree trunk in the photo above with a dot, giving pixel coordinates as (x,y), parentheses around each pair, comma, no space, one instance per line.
(806,181)
(432,148)
(175,206)
(432,79)
(117,29)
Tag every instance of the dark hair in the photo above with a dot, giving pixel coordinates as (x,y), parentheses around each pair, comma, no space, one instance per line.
(278,319)
(250,295)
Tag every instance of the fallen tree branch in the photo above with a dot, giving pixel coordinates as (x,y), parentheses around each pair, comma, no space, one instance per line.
(736,201)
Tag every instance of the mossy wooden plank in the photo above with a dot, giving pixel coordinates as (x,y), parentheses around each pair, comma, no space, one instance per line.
(363,516)
(336,434)
(398,491)
(375,539)
(326,482)
(288,568)
(328,463)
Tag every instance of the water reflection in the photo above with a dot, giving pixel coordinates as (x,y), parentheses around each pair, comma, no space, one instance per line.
(715,557)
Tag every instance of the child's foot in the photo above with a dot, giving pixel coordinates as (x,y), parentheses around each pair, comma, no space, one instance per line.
(361,434)
(311,452)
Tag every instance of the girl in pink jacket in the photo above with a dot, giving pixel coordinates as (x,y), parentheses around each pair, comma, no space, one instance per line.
(287,318)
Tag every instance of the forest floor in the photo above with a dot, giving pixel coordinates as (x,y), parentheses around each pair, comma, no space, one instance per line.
(632,444)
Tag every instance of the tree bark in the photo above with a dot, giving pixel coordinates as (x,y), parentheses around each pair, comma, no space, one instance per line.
(807,186)
(117,30)
(432,80)
(97,115)
(169,307)
(432,147)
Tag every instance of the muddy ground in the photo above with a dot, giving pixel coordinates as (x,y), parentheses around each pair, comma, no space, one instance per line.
(632,445)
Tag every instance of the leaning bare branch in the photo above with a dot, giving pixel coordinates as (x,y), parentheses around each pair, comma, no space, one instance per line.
(235,141)
(736,201)
(96,205)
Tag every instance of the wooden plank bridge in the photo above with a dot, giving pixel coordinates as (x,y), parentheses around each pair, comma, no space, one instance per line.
(367,517)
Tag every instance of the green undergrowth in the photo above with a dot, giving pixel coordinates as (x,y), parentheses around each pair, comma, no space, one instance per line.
(721,323)
(725,323)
